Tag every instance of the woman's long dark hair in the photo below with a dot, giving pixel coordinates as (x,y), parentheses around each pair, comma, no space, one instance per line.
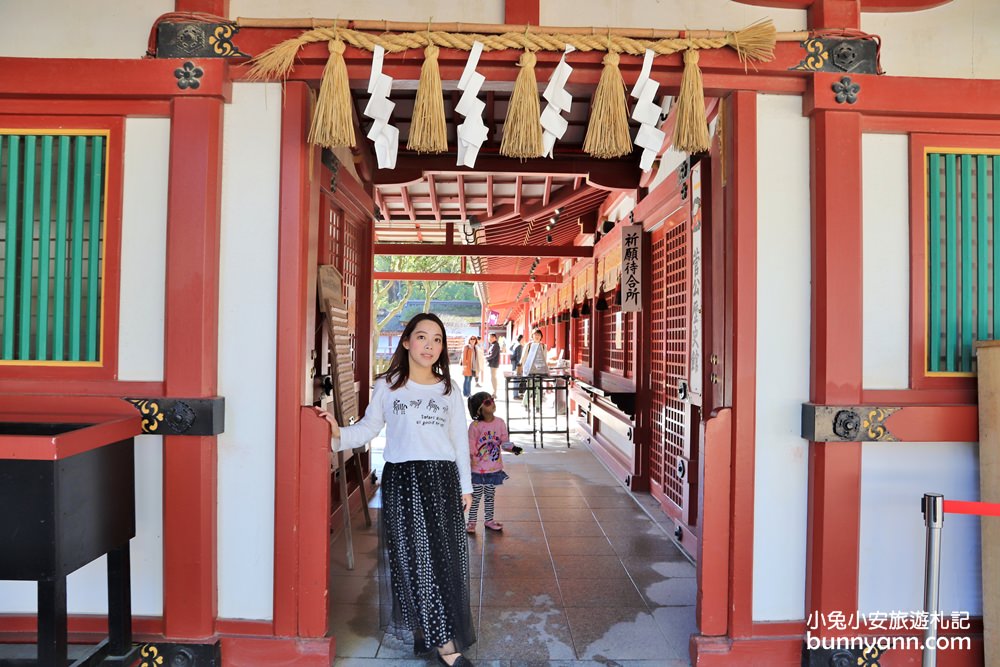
(399,366)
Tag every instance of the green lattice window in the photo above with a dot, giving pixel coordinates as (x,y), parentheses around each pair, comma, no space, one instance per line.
(963,257)
(52,195)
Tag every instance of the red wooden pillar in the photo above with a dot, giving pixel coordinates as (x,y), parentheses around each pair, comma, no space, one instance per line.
(299,205)
(835,468)
(363,339)
(521,11)
(741,201)
(642,335)
(844,14)
(191,365)
(215,7)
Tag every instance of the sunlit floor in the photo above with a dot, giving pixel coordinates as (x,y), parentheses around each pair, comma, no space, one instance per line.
(584,573)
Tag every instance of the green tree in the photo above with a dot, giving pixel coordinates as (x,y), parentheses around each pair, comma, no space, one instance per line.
(390,296)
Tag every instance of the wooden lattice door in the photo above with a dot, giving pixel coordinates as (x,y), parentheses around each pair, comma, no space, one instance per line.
(670,447)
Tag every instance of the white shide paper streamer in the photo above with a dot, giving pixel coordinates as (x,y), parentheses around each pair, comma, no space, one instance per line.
(379,109)
(558,100)
(472,132)
(650,137)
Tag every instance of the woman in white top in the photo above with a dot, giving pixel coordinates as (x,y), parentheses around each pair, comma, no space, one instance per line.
(426,488)
(533,362)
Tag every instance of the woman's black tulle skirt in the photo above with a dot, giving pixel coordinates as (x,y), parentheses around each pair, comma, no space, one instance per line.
(424,555)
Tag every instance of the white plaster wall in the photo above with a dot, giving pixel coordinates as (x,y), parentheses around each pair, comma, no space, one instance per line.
(783,288)
(680,14)
(71,28)
(894,477)
(476,11)
(248,301)
(886,260)
(87,588)
(143,254)
(954,40)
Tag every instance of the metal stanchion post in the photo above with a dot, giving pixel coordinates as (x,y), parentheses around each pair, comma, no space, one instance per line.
(932,506)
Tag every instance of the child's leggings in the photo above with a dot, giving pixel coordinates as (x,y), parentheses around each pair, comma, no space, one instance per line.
(477,493)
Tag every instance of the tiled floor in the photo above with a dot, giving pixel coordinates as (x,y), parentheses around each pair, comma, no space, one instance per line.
(582,574)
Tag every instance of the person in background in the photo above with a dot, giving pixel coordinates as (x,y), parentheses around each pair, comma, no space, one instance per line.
(493,361)
(515,360)
(479,363)
(426,489)
(468,365)
(533,362)
(488,437)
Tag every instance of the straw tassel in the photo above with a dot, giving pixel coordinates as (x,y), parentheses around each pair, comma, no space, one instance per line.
(277,61)
(691,131)
(607,131)
(522,130)
(428,131)
(333,122)
(755,42)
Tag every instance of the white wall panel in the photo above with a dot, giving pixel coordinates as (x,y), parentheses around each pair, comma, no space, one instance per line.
(681,14)
(953,40)
(144,250)
(894,477)
(886,250)
(70,28)
(248,290)
(783,293)
(480,11)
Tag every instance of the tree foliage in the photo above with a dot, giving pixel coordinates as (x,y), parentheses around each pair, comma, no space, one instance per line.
(391,295)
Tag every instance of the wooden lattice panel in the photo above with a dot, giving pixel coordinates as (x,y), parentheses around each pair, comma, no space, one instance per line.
(658,361)
(350,267)
(617,344)
(581,330)
(676,356)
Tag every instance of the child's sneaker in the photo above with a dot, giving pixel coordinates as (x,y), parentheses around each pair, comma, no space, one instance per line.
(494,525)
(470,527)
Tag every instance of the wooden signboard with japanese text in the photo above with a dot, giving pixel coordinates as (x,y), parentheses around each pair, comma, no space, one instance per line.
(345,398)
(631,268)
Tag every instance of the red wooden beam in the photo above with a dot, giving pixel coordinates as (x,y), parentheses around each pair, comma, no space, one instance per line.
(517,193)
(434,197)
(190,470)
(148,79)
(407,203)
(433,250)
(893,95)
(467,277)
(489,194)
(607,174)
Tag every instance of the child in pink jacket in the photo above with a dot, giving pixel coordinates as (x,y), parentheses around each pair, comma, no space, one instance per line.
(488,437)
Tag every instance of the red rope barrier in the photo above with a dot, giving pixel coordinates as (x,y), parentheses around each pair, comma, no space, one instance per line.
(970,507)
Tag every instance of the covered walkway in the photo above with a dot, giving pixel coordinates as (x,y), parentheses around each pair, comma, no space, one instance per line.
(583,574)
